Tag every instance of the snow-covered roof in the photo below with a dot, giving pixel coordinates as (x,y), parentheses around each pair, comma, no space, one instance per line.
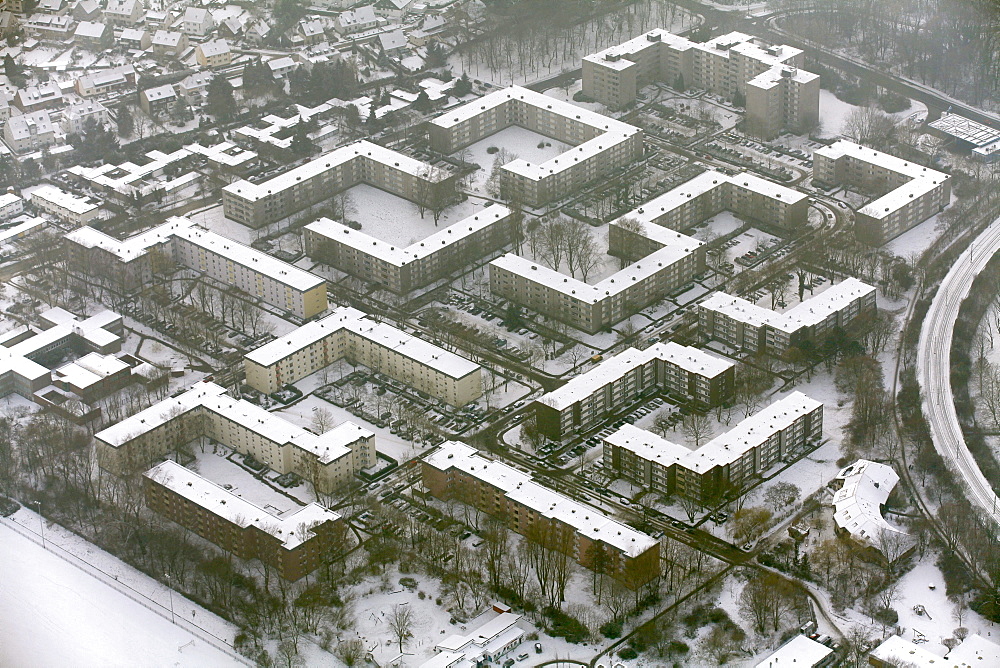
(858,504)
(64,200)
(255,260)
(462,650)
(705,183)
(357,323)
(26,125)
(360,16)
(895,651)
(90,29)
(799,651)
(362,149)
(725,448)
(291,530)
(395,39)
(327,447)
(225,153)
(613,132)
(89,370)
(966,129)
(687,358)
(675,248)
(196,15)
(214,48)
(164,92)
(923,179)
(807,313)
(467,227)
(167,38)
(779,74)
(520,488)
(975,650)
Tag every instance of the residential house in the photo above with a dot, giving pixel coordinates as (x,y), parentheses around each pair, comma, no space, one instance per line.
(197,22)
(87,10)
(194,87)
(93,35)
(281,67)
(77,116)
(30,132)
(169,44)
(393,42)
(213,54)
(312,31)
(123,12)
(50,27)
(157,101)
(107,81)
(393,9)
(135,38)
(356,20)
(35,98)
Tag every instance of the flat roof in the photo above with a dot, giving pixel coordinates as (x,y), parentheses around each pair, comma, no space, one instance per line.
(320,165)
(521,488)
(966,129)
(799,650)
(858,503)
(676,247)
(327,447)
(804,314)
(400,256)
(885,160)
(687,358)
(346,318)
(724,448)
(288,530)
(65,200)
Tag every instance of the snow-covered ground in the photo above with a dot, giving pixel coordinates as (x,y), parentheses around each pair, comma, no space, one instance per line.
(833,112)
(55,614)
(397,221)
(517,141)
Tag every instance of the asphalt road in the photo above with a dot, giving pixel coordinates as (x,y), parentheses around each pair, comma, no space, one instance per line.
(934,368)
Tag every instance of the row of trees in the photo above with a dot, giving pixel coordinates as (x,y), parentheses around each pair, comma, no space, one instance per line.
(558,240)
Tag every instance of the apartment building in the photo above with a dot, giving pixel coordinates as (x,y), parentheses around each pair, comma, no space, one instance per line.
(260,275)
(456,471)
(779,94)
(421,263)
(25,351)
(725,465)
(197,22)
(65,206)
(672,262)
(907,193)
(293,545)
(748,196)
(327,461)
(349,333)
(123,12)
(601,144)
(588,400)
(755,329)
(36,98)
(258,204)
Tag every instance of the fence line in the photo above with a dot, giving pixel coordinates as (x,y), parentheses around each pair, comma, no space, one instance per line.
(154,606)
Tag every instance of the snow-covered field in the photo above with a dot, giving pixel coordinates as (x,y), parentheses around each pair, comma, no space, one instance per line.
(515,140)
(55,615)
(833,112)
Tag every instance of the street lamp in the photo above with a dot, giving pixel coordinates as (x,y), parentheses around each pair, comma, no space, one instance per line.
(170,591)
(41,523)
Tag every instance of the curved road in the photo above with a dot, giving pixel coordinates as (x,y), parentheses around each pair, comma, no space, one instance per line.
(934,367)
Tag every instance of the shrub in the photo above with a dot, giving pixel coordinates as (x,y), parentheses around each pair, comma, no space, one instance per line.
(628,653)
(492,149)
(565,626)
(611,629)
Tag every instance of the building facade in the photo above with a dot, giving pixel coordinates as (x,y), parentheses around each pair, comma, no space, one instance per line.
(723,466)
(294,545)
(601,145)
(755,329)
(349,333)
(65,206)
(588,400)
(327,461)
(421,263)
(456,471)
(906,193)
(132,262)
(258,204)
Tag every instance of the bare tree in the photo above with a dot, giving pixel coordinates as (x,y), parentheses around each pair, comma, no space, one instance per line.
(871,127)
(697,428)
(322,421)
(629,249)
(588,257)
(401,622)
(781,495)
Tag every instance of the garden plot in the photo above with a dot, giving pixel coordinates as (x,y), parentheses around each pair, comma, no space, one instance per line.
(395,220)
(515,141)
